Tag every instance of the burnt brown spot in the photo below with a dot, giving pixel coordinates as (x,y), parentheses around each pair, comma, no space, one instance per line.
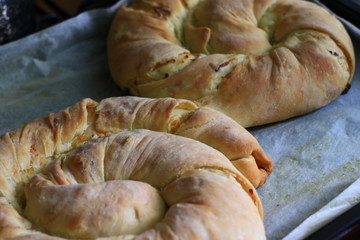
(217,68)
(347,88)
(185,55)
(223,65)
(333,53)
(184,3)
(33,148)
(160,64)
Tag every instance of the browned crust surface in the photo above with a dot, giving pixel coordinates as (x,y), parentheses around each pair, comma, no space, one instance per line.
(256,61)
(79,145)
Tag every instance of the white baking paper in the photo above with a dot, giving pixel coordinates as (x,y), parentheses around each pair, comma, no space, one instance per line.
(316,156)
(55,68)
(329,212)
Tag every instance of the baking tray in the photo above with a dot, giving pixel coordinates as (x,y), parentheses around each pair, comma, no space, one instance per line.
(316,156)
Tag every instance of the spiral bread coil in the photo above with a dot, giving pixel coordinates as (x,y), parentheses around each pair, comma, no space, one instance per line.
(85,172)
(257,61)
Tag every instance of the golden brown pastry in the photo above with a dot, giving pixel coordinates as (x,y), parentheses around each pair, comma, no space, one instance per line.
(257,61)
(79,174)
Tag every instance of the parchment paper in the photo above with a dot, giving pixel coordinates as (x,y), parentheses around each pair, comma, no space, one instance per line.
(316,156)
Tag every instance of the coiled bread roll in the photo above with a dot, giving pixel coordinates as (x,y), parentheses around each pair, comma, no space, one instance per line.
(257,61)
(65,174)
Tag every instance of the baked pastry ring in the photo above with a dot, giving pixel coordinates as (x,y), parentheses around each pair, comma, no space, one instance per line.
(71,162)
(257,61)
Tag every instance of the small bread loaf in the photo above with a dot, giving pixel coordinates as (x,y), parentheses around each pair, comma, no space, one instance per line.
(256,61)
(79,173)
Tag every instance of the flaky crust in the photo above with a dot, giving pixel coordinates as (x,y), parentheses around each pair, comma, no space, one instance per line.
(258,61)
(77,152)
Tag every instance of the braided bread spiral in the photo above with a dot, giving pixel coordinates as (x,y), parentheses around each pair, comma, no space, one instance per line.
(80,174)
(257,61)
